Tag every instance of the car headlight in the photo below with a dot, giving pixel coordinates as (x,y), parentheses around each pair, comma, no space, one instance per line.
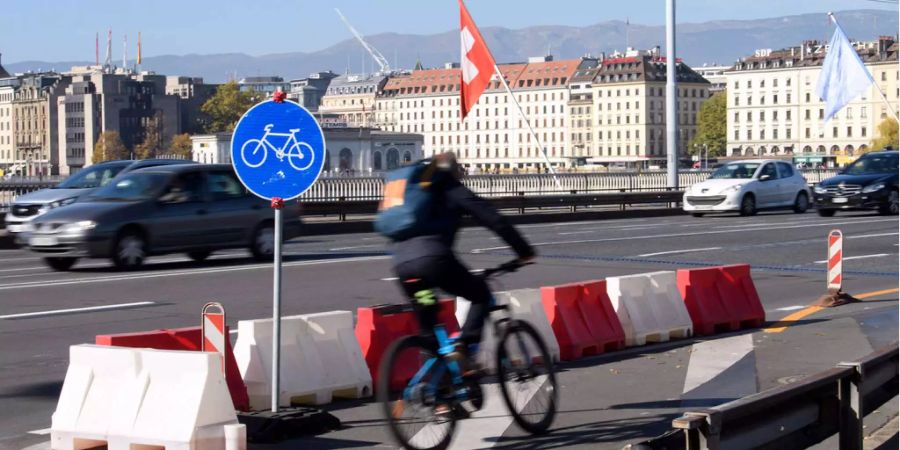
(731,189)
(873,188)
(63,202)
(80,226)
(819,189)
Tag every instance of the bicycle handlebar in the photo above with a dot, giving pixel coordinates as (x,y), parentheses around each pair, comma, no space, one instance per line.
(507,267)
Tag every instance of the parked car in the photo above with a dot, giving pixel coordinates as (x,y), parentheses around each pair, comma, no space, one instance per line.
(747,187)
(29,206)
(870,182)
(196,209)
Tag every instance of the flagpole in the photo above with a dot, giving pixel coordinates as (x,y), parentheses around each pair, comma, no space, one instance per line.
(875,83)
(527,122)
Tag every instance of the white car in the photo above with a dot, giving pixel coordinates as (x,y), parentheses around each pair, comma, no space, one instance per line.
(748,186)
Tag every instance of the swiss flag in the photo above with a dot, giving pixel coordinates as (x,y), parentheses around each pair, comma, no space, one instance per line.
(475,60)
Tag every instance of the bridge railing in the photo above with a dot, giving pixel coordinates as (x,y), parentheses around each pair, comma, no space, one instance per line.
(797,415)
(370,188)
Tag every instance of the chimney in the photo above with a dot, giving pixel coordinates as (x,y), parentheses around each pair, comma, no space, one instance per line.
(884,43)
(802,51)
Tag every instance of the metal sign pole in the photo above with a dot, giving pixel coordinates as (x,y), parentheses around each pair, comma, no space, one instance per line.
(277,204)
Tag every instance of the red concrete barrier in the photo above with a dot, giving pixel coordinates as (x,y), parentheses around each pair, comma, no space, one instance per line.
(582,319)
(379,326)
(184,339)
(721,299)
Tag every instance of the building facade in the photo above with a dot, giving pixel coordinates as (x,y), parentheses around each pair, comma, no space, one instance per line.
(308,92)
(773,109)
(35,123)
(264,86)
(7,142)
(493,137)
(211,148)
(715,74)
(192,93)
(353,98)
(98,102)
(629,117)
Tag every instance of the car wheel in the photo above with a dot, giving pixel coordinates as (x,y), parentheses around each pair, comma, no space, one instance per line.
(697,214)
(199,255)
(748,205)
(890,207)
(60,263)
(130,250)
(263,245)
(826,212)
(801,204)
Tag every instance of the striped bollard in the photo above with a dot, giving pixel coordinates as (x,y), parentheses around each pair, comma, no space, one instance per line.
(213,331)
(835,273)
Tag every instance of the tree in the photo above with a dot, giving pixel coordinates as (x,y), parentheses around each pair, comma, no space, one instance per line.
(181,146)
(225,107)
(711,127)
(887,135)
(152,144)
(109,147)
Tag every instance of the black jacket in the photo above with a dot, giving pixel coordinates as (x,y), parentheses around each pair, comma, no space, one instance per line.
(452,201)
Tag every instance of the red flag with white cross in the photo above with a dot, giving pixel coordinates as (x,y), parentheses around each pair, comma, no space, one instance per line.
(475,60)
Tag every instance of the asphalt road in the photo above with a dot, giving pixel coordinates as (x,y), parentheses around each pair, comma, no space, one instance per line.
(606,401)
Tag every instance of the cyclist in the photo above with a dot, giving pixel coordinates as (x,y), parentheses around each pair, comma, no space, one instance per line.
(426,260)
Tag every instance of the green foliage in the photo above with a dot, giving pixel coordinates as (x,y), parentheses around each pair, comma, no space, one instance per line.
(152,145)
(181,146)
(711,127)
(887,135)
(109,147)
(223,110)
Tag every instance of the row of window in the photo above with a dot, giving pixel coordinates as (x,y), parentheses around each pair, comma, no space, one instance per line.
(74,107)
(521,138)
(863,133)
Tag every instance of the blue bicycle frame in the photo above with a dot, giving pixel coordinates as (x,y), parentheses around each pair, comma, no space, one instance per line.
(446,345)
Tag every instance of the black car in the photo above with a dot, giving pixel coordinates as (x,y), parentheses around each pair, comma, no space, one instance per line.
(870,182)
(195,209)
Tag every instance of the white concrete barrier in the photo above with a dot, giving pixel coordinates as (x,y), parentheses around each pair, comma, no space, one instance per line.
(320,359)
(649,307)
(128,399)
(524,304)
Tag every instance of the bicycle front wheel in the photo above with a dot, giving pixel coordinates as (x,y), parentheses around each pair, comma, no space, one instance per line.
(300,156)
(412,382)
(527,377)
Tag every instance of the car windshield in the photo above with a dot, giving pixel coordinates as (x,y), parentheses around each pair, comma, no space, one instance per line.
(873,164)
(735,170)
(92,177)
(131,187)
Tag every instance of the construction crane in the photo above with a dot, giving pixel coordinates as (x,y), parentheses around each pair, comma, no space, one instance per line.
(376,55)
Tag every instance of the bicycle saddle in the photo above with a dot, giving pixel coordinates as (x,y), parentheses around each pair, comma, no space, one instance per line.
(294,130)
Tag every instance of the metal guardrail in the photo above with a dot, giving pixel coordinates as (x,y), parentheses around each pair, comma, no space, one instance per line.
(370,188)
(794,416)
(522,203)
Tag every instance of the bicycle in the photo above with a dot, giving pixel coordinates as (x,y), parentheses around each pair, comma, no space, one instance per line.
(296,150)
(439,380)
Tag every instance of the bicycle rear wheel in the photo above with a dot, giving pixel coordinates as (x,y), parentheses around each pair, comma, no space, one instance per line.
(409,407)
(527,377)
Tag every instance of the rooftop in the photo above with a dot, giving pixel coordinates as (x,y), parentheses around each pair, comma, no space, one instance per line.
(812,53)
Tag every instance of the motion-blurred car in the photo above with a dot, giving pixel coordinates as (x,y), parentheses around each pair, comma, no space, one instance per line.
(196,209)
(747,187)
(870,182)
(29,206)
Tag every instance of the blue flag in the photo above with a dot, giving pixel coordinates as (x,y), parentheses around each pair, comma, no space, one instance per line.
(844,76)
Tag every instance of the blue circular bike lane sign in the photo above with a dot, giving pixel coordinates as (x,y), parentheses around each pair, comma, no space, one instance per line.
(277,150)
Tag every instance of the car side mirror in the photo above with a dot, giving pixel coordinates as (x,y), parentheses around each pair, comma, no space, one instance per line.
(765,177)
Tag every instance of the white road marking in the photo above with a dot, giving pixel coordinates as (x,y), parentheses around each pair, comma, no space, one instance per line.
(390,279)
(791,308)
(353,247)
(712,357)
(672,252)
(41,432)
(20,269)
(176,273)
(861,236)
(624,227)
(848,258)
(60,312)
(703,233)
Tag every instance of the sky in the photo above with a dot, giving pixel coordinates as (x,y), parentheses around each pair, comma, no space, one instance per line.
(64,30)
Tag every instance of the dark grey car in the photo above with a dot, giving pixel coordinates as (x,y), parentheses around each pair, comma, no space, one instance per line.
(195,209)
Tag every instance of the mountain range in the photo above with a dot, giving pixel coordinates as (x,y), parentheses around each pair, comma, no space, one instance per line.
(714,42)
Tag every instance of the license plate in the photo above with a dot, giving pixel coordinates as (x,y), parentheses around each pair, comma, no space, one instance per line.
(839,200)
(12,228)
(42,241)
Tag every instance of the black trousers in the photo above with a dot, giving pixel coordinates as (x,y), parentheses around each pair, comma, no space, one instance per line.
(420,276)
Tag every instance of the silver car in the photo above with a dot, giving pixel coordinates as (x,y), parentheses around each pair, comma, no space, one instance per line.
(29,206)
